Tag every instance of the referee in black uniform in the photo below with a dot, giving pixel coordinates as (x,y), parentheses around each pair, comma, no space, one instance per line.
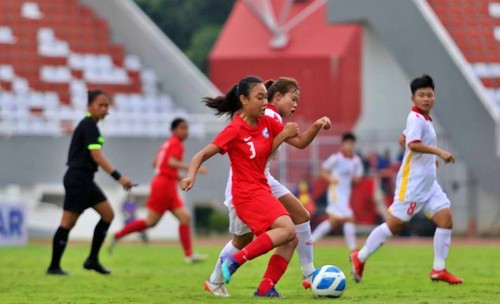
(82,192)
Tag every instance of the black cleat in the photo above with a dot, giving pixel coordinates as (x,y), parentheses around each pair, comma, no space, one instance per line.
(57,271)
(95,265)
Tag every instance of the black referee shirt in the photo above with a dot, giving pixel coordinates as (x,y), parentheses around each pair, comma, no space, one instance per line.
(85,138)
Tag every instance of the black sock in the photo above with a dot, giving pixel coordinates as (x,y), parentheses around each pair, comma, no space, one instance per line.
(58,246)
(99,235)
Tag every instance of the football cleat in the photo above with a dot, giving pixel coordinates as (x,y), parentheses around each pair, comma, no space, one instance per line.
(229,266)
(217,289)
(271,293)
(445,276)
(195,258)
(357,266)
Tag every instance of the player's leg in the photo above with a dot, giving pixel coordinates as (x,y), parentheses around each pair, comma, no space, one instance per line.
(349,229)
(268,219)
(301,218)
(278,263)
(327,225)
(184,217)
(215,283)
(60,240)
(399,214)
(242,236)
(439,209)
(106,212)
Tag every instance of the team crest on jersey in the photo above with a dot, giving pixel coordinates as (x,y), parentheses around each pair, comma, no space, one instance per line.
(265,132)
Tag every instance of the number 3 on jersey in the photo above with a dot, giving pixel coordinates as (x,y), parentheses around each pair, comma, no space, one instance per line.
(252,149)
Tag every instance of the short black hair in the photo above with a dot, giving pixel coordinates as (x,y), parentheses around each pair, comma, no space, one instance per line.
(176,122)
(93,94)
(348,136)
(424,81)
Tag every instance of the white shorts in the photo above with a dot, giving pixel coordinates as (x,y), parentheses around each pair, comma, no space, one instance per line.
(436,202)
(236,225)
(339,209)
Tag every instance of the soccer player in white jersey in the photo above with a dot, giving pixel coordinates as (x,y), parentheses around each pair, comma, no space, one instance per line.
(341,170)
(417,187)
(283,96)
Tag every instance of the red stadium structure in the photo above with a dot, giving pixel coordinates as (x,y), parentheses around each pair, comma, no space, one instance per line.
(325,59)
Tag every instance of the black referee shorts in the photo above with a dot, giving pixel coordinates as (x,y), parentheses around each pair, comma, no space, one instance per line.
(81,190)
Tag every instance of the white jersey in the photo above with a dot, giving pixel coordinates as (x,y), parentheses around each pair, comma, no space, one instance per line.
(277,189)
(417,173)
(345,169)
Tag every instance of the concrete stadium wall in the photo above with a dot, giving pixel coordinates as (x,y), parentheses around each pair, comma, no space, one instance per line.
(178,76)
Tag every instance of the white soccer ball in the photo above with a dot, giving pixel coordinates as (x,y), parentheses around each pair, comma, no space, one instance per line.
(328,281)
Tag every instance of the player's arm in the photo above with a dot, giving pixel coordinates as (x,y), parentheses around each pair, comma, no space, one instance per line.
(327,176)
(291,129)
(303,140)
(196,162)
(402,141)
(420,147)
(103,162)
(178,164)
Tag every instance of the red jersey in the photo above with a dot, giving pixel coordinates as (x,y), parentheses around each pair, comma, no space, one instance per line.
(248,149)
(173,147)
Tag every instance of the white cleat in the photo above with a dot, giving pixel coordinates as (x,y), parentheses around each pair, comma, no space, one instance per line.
(112,244)
(217,289)
(195,258)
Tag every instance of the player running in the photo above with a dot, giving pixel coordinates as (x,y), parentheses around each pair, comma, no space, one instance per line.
(249,140)
(283,95)
(417,187)
(164,195)
(341,170)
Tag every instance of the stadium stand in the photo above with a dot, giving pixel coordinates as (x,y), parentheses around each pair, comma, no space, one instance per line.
(51,53)
(475,28)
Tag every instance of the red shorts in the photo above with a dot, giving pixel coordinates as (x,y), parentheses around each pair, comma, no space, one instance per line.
(164,195)
(260,211)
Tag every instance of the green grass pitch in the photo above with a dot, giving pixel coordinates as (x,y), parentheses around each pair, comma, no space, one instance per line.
(156,273)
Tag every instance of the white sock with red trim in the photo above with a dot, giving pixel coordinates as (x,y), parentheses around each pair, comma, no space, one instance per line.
(376,239)
(442,240)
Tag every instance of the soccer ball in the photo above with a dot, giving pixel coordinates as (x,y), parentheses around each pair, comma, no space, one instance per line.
(328,281)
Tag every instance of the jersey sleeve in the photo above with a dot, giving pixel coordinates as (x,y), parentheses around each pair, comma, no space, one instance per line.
(225,138)
(177,151)
(275,127)
(92,137)
(329,163)
(413,131)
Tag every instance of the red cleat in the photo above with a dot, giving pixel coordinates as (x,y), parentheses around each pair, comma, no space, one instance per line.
(445,276)
(357,266)
(306,283)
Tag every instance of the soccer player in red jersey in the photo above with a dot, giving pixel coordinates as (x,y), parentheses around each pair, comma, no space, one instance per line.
(164,196)
(283,96)
(249,140)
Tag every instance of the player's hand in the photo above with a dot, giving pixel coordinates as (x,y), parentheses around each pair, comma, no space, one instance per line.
(324,123)
(203,170)
(447,157)
(291,129)
(125,182)
(187,183)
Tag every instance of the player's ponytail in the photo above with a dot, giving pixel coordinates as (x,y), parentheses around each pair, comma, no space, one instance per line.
(230,103)
(282,85)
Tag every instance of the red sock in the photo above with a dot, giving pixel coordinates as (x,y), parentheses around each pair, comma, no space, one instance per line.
(259,246)
(185,237)
(275,270)
(137,225)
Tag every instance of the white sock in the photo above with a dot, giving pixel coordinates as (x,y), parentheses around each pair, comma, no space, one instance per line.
(216,276)
(305,248)
(350,235)
(320,231)
(376,239)
(442,240)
